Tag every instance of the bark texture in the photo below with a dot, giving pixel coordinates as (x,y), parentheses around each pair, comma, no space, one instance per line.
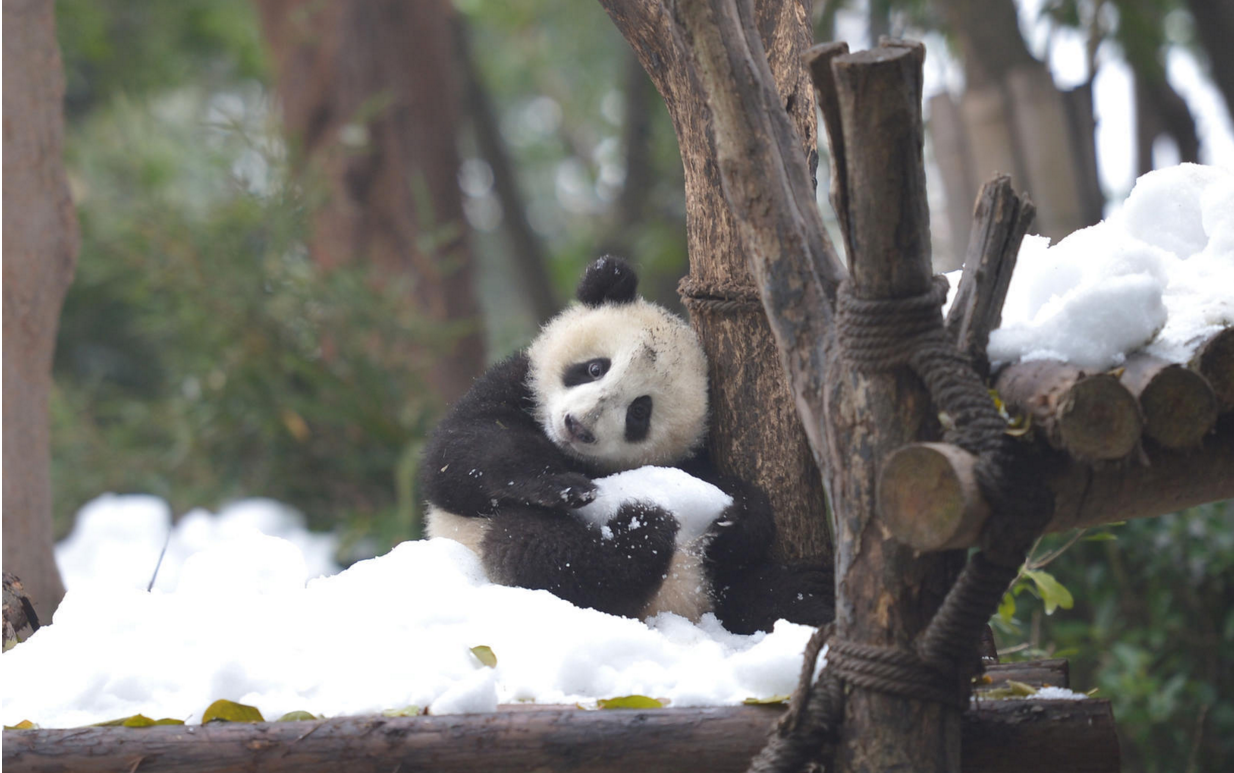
(40,254)
(372,110)
(767,444)
(1053,735)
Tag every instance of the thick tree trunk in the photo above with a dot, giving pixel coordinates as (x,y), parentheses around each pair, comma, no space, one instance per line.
(1017,122)
(40,253)
(370,105)
(769,448)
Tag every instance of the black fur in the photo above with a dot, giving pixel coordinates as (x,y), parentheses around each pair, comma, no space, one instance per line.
(490,458)
(608,279)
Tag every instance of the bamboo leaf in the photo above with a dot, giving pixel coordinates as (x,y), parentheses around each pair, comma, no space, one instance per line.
(485,655)
(230,711)
(630,702)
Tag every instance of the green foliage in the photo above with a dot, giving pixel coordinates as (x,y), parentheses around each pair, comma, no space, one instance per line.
(202,356)
(1143,630)
(139,47)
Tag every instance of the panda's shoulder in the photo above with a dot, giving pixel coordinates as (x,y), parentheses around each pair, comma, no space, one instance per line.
(504,386)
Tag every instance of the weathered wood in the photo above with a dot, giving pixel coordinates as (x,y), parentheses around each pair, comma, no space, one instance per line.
(1042,736)
(1178,405)
(745,368)
(1051,672)
(889,592)
(1001,218)
(764,179)
(1091,416)
(1215,362)
(928,496)
(818,59)
(1084,496)
(545,739)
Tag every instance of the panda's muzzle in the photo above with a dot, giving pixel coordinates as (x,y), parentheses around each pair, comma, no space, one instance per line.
(577,431)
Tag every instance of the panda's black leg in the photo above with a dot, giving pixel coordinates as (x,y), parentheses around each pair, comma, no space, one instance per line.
(615,571)
(754,598)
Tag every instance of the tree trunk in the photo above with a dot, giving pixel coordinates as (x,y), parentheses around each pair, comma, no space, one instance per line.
(755,432)
(370,105)
(1017,122)
(1214,26)
(40,253)
(526,247)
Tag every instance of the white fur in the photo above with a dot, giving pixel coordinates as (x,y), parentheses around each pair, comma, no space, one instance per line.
(652,352)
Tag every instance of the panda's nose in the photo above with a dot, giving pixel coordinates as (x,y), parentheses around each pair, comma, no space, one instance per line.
(578,431)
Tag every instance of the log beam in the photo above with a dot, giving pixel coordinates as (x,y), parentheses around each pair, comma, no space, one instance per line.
(1215,362)
(1091,416)
(1060,735)
(929,499)
(1179,406)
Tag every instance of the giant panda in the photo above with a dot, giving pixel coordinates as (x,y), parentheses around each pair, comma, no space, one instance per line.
(611,384)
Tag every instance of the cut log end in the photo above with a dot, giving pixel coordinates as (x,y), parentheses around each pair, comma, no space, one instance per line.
(1099,419)
(1215,362)
(1178,404)
(1092,417)
(928,497)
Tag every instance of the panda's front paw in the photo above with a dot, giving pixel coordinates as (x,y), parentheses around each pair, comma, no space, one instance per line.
(571,489)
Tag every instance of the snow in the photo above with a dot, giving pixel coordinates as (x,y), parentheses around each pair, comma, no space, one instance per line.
(117,539)
(695,503)
(1058,694)
(238,621)
(1157,275)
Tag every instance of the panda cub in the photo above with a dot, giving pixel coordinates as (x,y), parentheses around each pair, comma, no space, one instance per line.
(610,385)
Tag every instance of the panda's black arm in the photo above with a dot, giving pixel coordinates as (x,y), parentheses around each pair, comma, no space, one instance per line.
(533,548)
(744,533)
(489,448)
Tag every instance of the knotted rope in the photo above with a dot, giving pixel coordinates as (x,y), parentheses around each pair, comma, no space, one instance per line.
(722,297)
(878,335)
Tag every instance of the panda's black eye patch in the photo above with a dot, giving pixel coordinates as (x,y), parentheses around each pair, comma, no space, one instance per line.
(638,419)
(586,372)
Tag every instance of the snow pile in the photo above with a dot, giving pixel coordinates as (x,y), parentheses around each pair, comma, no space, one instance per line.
(695,503)
(1058,694)
(1158,275)
(386,633)
(117,540)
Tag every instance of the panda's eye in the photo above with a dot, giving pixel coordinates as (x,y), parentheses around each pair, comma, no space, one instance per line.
(638,419)
(585,372)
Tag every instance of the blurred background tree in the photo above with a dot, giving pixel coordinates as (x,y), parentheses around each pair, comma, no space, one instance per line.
(208,352)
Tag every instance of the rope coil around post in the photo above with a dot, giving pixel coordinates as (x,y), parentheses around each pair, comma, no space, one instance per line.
(878,335)
(723,297)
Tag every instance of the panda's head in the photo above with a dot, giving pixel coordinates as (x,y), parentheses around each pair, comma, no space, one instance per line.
(619,382)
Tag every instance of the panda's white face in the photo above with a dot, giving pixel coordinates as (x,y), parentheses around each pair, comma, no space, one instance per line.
(620,385)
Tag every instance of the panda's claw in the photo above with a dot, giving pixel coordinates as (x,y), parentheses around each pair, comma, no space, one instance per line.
(571,489)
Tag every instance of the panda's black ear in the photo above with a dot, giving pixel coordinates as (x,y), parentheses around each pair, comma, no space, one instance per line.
(608,280)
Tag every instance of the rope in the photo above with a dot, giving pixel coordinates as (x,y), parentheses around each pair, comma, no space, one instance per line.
(814,712)
(878,335)
(722,297)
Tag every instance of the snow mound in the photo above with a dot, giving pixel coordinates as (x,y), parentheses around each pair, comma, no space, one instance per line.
(1156,276)
(386,633)
(695,503)
(117,540)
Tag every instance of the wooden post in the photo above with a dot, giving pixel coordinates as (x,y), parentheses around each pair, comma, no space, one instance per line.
(745,368)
